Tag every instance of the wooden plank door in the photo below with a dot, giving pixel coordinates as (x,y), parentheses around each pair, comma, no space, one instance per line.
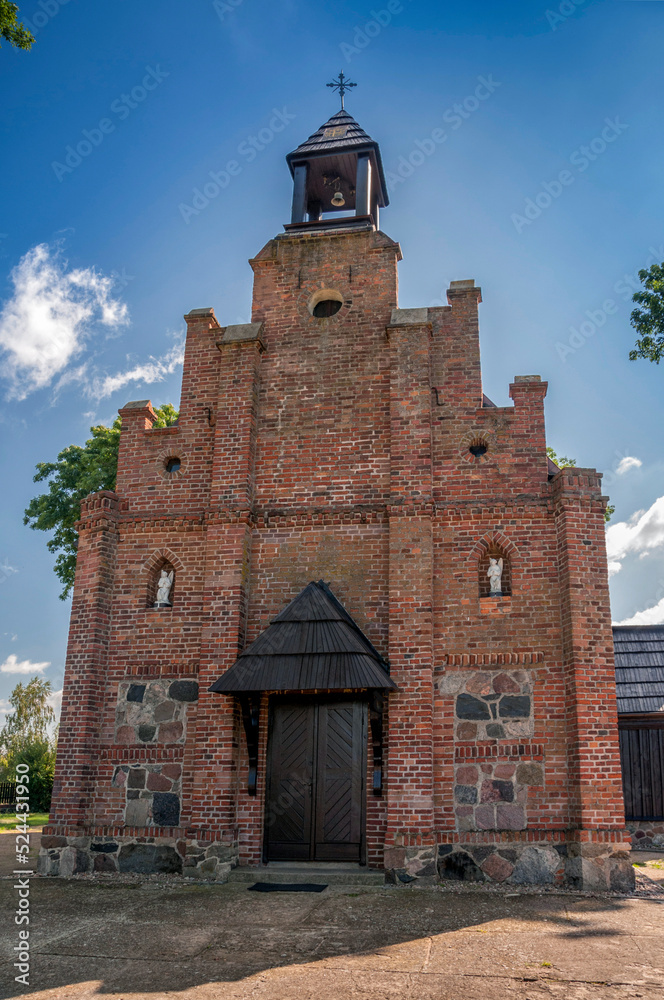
(315,795)
(289,811)
(339,781)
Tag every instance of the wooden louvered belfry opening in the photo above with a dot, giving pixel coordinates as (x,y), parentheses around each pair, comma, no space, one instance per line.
(315,782)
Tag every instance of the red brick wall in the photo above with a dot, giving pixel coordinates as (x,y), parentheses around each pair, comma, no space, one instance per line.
(317,448)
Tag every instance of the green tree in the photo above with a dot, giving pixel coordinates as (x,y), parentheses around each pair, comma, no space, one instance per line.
(569,463)
(563,462)
(649,321)
(31,719)
(40,758)
(10,28)
(77,472)
(28,738)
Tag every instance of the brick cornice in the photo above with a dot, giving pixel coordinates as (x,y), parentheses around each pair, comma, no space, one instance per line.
(489,659)
(120,753)
(484,751)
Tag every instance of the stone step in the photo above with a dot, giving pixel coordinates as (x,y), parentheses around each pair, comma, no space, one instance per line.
(284,872)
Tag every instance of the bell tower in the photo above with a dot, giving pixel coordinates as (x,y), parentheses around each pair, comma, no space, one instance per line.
(338,169)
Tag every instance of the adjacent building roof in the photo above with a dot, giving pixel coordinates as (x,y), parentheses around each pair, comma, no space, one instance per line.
(639,652)
(314,644)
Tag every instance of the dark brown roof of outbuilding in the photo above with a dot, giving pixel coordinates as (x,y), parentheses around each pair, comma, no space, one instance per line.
(639,653)
(314,644)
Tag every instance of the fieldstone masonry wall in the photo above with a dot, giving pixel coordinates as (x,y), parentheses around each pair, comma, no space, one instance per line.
(647,835)
(165,853)
(490,705)
(601,867)
(153,793)
(492,795)
(153,711)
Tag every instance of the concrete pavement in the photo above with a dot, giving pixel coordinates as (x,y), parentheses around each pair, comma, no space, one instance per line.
(136,938)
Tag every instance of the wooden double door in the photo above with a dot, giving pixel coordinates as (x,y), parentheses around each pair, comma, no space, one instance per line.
(316,781)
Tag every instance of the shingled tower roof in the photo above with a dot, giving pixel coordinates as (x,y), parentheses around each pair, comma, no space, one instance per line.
(339,133)
(313,644)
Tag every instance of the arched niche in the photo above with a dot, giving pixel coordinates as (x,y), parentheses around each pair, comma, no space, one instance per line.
(163,560)
(494,546)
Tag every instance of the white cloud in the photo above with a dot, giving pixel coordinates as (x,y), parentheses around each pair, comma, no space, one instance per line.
(12,665)
(45,324)
(55,701)
(153,370)
(627,463)
(643,532)
(650,616)
(4,706)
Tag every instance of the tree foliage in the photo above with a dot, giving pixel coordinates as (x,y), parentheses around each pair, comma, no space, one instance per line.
(649,321)
(77,472)
(563,462)
(31,719)
(568,463)
(40,758)
(27,738)
(10,27)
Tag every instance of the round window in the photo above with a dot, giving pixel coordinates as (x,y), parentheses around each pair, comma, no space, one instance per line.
(478,447)
(326,302)
(328,307)
(173,464)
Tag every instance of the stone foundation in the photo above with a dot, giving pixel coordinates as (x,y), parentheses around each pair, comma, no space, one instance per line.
(73,855)
(572,864)
(647,835)
(408,864)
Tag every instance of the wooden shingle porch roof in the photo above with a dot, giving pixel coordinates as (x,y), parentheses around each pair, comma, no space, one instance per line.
(312,645)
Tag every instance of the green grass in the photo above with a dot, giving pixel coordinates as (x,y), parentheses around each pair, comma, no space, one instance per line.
(8,820)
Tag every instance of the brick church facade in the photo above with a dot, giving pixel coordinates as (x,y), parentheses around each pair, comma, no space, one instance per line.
(328,673)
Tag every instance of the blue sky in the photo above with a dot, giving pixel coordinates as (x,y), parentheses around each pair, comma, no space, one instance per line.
(546,189)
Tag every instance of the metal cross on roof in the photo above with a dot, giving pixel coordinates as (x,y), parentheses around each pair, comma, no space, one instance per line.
(342,86)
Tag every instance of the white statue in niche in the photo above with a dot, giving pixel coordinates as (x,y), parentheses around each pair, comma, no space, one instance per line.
(164,588)
(495,574)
